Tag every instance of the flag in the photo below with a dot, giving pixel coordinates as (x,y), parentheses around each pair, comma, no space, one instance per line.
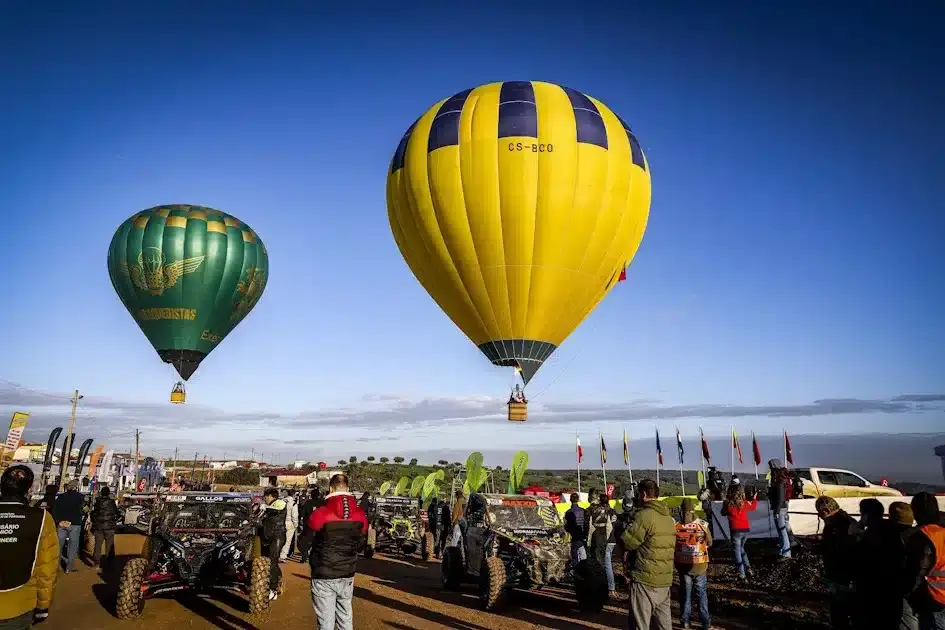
(735,446)
(623,275)
(787,450)
(754,449)
(626,449)
(679,447)
(603,451)
(580,451)
(705,447)
(659,449)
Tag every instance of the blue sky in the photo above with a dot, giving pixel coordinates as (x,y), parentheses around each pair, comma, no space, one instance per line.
(793,251)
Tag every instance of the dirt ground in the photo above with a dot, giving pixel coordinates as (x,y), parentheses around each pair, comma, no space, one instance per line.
(390,593)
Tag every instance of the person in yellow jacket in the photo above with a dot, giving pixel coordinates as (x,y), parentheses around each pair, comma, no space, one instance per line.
(29,553)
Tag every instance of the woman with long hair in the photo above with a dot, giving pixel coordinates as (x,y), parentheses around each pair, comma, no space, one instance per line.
(736,507)
(779,493)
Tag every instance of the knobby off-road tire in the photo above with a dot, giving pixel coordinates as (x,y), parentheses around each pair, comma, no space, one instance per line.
(259,586)
(130,602)
(371,542)
(146,548)
(491,582)
(255,550)
(428,547)
(452,567)
(590,586)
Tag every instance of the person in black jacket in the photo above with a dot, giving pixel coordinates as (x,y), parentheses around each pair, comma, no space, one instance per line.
(104,520)
(67,512)
(838,547)
(273,536)
(575,524)
(305,535)
(433,524)
(446,514)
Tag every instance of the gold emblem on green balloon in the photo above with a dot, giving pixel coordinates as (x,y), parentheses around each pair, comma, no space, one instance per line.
(153,275)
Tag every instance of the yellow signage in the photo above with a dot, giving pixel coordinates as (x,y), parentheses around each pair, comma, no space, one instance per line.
(148,314)
(17,426)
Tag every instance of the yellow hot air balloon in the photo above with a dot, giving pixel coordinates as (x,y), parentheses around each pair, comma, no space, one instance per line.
(517,205)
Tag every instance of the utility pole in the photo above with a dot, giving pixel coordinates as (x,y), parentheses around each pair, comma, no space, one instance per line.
(137,463)
(67,447)
(193,469)
(174,468)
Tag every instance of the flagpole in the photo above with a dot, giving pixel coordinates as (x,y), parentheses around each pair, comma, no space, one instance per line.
(784,444)
(627,446)
(657,456)
(732,448)
(603,464)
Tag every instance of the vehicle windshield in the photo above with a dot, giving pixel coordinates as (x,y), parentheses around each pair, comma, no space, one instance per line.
(202,516)
(397,510)
(524,516)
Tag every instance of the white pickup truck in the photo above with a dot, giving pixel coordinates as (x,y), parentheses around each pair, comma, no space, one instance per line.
(837,483)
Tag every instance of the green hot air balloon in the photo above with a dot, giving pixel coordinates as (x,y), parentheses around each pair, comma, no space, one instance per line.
(188,275)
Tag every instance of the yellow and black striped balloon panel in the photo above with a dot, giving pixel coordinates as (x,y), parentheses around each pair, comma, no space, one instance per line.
(518,119)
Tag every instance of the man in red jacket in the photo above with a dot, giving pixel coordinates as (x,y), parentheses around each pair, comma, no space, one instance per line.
(339,529)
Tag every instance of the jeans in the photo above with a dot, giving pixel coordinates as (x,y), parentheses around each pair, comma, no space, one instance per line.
(686,582)
(289,542)
(741,557)
(108,537)
(331,600)
(72,550)
(650,608)
(784,537)
(909,620)
(609,565)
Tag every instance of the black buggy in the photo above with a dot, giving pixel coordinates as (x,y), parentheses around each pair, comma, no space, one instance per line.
(198,541)
(518,542)
(397,524)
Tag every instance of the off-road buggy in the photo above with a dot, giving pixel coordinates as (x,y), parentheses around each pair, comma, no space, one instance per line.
(136,510)
(198,541)
(518,542)
(396,524)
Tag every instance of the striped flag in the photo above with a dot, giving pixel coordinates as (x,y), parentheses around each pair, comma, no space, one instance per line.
(735,446)
(626,449)
(580,451)
(659,448)
(679,447)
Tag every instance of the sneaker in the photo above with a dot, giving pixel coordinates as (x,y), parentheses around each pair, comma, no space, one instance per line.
(686,626)
(273,595)
(749,571)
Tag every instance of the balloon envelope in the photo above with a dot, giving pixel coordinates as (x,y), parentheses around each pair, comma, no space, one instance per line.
(188,275)
(517,205)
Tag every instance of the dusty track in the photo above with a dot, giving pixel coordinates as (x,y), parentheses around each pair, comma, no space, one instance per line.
(390,593)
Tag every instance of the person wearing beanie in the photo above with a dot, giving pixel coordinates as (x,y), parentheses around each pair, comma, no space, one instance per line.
(29,555)
(839,550)
(691,558)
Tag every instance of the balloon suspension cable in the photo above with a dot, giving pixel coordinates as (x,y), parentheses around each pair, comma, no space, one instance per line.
(565,369)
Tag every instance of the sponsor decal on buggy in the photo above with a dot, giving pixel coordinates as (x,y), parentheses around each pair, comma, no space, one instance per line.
(526,503)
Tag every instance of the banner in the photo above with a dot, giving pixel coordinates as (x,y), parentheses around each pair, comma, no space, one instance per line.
(93,463)
(105,470)
(50,450)
(17,426)
(80,460)
(66,454)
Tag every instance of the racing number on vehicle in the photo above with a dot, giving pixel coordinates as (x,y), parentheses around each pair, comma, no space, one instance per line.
(534,147)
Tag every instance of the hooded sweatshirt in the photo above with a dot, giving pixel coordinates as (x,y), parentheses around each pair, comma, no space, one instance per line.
(339,528)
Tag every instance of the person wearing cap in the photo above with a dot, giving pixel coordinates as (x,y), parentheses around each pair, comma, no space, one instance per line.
(67,512)
(691,558)
(29,553)
(779,492)
(838,548)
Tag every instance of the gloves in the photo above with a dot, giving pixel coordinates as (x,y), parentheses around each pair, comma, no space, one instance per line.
(40,615)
